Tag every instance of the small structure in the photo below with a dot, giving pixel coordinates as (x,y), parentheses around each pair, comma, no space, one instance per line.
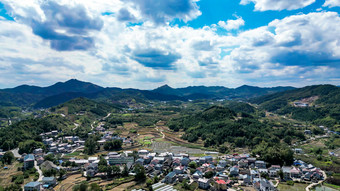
(260,164)
(170,178)
(203,183)
(49,181)
(32,186)
(29,161)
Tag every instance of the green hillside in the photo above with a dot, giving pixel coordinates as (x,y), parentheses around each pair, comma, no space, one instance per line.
(323,104)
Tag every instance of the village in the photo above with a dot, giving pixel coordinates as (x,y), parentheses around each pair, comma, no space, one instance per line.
(213,171)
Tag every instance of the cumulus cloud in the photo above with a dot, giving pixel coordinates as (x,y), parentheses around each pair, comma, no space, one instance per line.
(66,27)
(149,54)
(162,11)
(232,24)
(290,48)
(278,5)
(332,3)
(155,58)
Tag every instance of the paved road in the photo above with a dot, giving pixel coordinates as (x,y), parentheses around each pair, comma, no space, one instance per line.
(39,171)
(315,184)
(16,153)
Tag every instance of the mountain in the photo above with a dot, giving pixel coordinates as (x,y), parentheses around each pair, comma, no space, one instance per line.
(213,92)
(44,97)
(319,104)
(72,85)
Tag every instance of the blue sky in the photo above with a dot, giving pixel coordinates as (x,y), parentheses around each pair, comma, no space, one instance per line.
(147,43)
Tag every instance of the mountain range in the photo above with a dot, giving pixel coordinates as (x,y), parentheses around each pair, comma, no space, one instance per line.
(44,97)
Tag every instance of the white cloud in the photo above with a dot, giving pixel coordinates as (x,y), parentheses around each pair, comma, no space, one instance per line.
(232,24)
(128,55)
(332,3)
(278,5)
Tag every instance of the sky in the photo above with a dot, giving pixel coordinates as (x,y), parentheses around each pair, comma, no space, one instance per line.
(148,43)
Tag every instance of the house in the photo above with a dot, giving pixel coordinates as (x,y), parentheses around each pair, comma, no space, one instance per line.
(222,163)
(246,179)
(170,178)
(38,151)
(308,132)
(29,161)
(179,170)
(48,165)
(203,183)
(295,173)
(32,186)
(266,185)
(198,174)
(298,151)
(286,172)
(49,181)
(260,164)
(243,163)
(273,173)
(185,161)
(221,185)
(234,171)
(91,169)
(251,161)
(182,177)
(140,161)
(143,152)
(254,174)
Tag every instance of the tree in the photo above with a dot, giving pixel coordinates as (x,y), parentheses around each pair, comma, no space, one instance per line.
(62,172)
(209,174)
(140,172)
(115,170)
(91,145)
(95,187)
(8,157)
(125,171)
(102,162)
(193,164)
(29,145)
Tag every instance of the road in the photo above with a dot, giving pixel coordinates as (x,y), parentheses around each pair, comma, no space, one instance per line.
(16,153)
(161,131)
(315,184)
(39,171)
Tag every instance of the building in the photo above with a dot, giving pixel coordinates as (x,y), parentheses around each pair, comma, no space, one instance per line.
(266,185)
(91,169)
(170,178)
(234,171)
(221,185)
(260,164)
(49,181)
(198,174)
(121,160)
(203,183)
(29,161)
(32,186)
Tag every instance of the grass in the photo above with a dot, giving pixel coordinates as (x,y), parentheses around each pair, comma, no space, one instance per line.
(337,187)
(295,187)
(74,154)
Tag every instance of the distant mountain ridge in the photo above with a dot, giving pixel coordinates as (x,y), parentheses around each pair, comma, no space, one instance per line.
(61,92)
(244,91)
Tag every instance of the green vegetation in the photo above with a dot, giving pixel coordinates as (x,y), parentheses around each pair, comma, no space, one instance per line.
(113,145)
(323,100)
(30,129)
(8,158)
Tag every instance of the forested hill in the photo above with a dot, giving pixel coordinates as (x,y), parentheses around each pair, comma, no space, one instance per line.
(86,105)
(319,104)
(220,127)
(45,97)
(242,92)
